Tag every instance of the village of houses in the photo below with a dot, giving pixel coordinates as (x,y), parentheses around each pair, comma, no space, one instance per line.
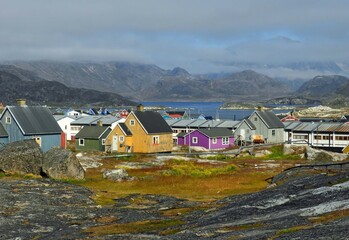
(141,131)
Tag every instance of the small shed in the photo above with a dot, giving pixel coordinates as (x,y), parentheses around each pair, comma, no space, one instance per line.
(92,138)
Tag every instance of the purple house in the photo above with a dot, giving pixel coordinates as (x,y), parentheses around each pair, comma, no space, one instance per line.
(213,138)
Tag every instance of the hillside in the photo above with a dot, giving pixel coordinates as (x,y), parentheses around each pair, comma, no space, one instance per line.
(145,82)
(38,91)
(322,86)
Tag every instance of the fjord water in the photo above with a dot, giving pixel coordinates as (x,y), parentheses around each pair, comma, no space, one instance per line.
(207,109)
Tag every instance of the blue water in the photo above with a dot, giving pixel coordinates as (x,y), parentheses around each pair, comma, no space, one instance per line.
(207,109)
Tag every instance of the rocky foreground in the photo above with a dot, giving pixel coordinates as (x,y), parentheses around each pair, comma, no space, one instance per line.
(312,206)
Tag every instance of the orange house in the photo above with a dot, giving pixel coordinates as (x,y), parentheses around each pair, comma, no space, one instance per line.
(142,132)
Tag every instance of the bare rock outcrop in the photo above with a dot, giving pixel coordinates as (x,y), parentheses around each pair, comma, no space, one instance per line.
(62,163)
(23,157)
(322,155)
(116,175)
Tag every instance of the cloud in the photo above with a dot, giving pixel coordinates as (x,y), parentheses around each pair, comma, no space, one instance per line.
(199,35)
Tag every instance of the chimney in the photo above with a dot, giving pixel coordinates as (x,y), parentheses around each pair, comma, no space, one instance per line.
(140,108)
(100,123)
(21,102)
(260,108)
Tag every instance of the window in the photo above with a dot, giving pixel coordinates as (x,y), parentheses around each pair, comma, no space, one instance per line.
(121,138)
(214,140)
(132,122)
(8,120)
(156,140)
(81,142)
(194,140)
(255,119)
(103,141)
(225,141)
(273,132)
(317,137)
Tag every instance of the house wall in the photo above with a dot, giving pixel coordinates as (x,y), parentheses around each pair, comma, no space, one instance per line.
(3,141)
(246,131)
(122,146)
(90,145)
(65,126)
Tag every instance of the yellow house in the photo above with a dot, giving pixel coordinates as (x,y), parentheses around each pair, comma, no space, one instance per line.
(142,132)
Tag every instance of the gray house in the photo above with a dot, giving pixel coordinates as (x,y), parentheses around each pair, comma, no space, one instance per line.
(244,132)
(269,128)
(31,122)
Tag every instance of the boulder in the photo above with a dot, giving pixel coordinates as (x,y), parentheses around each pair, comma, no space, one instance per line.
(290,149)
(23,157)
(61,163)
(116,175)
(325,156)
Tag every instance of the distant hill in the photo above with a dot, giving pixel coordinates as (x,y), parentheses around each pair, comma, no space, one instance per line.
(16,83)
(324,86)
(145,82)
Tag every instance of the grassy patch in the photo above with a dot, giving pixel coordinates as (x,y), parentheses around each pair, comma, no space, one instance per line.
(290,230)
(220,157)
(188,168)
(134,227)
(277,153)
(190,181)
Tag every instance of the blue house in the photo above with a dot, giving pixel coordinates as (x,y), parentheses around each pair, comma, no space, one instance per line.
(31,122)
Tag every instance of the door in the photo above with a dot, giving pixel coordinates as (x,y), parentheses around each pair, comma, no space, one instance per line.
(114,145)
(242,133)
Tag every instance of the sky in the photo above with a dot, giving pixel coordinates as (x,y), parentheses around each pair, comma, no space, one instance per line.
(198,35)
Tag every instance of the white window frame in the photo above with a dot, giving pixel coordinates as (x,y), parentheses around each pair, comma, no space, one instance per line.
(81,142)
(156,140)
(194,140)
(225,140)
(273,132)
(214,140)
(132,122)
(121,139)
(8,120)
(103,141)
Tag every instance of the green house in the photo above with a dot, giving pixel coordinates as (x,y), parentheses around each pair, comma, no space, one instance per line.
(92,138)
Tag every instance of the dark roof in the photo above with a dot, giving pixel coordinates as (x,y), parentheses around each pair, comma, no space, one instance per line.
(35,120)
(92,132)
(125,129)
(270,119)
(216,132)
(250,123)
(176,112)
(3,132)
(153,122)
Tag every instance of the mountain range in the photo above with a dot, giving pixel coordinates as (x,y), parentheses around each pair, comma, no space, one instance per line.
(90,82)
(17,83)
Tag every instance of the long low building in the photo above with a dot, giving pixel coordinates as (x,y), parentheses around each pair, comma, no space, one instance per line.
(318,134)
